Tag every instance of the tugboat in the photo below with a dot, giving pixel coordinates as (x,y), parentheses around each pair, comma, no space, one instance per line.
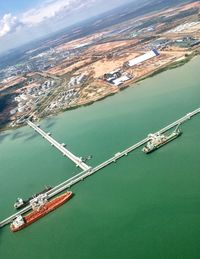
(20,203)
(40,207)
(157,140)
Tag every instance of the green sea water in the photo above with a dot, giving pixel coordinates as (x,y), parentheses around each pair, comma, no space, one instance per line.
(143,206)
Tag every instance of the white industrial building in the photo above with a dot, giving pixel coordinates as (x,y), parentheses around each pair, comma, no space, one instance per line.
(121,80)
(136,61)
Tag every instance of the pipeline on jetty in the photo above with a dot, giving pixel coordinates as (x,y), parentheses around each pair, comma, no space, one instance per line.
(87,170)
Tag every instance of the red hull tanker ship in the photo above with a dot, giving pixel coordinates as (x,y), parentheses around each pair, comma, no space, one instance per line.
(41,206)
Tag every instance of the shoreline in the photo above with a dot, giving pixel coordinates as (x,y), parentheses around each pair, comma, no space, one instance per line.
(172,65)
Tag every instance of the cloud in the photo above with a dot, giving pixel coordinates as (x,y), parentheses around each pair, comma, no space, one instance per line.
(53,9)
(48,11)
(51,15)
(9,24)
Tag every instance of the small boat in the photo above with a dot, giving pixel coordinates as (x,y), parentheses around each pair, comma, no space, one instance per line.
(40,207)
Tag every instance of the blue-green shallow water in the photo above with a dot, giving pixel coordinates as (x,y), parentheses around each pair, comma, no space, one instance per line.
(144,206)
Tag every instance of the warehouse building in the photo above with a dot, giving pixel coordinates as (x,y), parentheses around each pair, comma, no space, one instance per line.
(136,61)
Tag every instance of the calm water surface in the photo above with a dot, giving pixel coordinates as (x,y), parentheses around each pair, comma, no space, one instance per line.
(144,206)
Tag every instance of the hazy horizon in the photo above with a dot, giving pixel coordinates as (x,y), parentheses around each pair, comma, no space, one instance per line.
(24,22)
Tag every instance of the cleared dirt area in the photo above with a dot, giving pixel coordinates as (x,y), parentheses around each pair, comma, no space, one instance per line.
(103,66)
(12,81)
(76,43)
(100,67)
(104,47)
(171,11)
(64,68)
(153,64)
(96,91)
(191,5)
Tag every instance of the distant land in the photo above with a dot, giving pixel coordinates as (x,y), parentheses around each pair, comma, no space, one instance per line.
(115,16)
(96,58)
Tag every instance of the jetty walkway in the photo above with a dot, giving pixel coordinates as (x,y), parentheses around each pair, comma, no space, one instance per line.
(87,171)
(77,160)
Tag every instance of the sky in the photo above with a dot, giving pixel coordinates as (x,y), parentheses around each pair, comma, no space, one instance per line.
(24,20)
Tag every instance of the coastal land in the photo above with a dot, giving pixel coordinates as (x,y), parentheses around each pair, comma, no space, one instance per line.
(150,202)
(87,63)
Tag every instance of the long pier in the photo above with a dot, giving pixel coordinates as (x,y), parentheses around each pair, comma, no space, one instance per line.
(88,170)
(77,160)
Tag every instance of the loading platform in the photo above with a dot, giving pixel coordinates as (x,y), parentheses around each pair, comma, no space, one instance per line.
(87,171)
